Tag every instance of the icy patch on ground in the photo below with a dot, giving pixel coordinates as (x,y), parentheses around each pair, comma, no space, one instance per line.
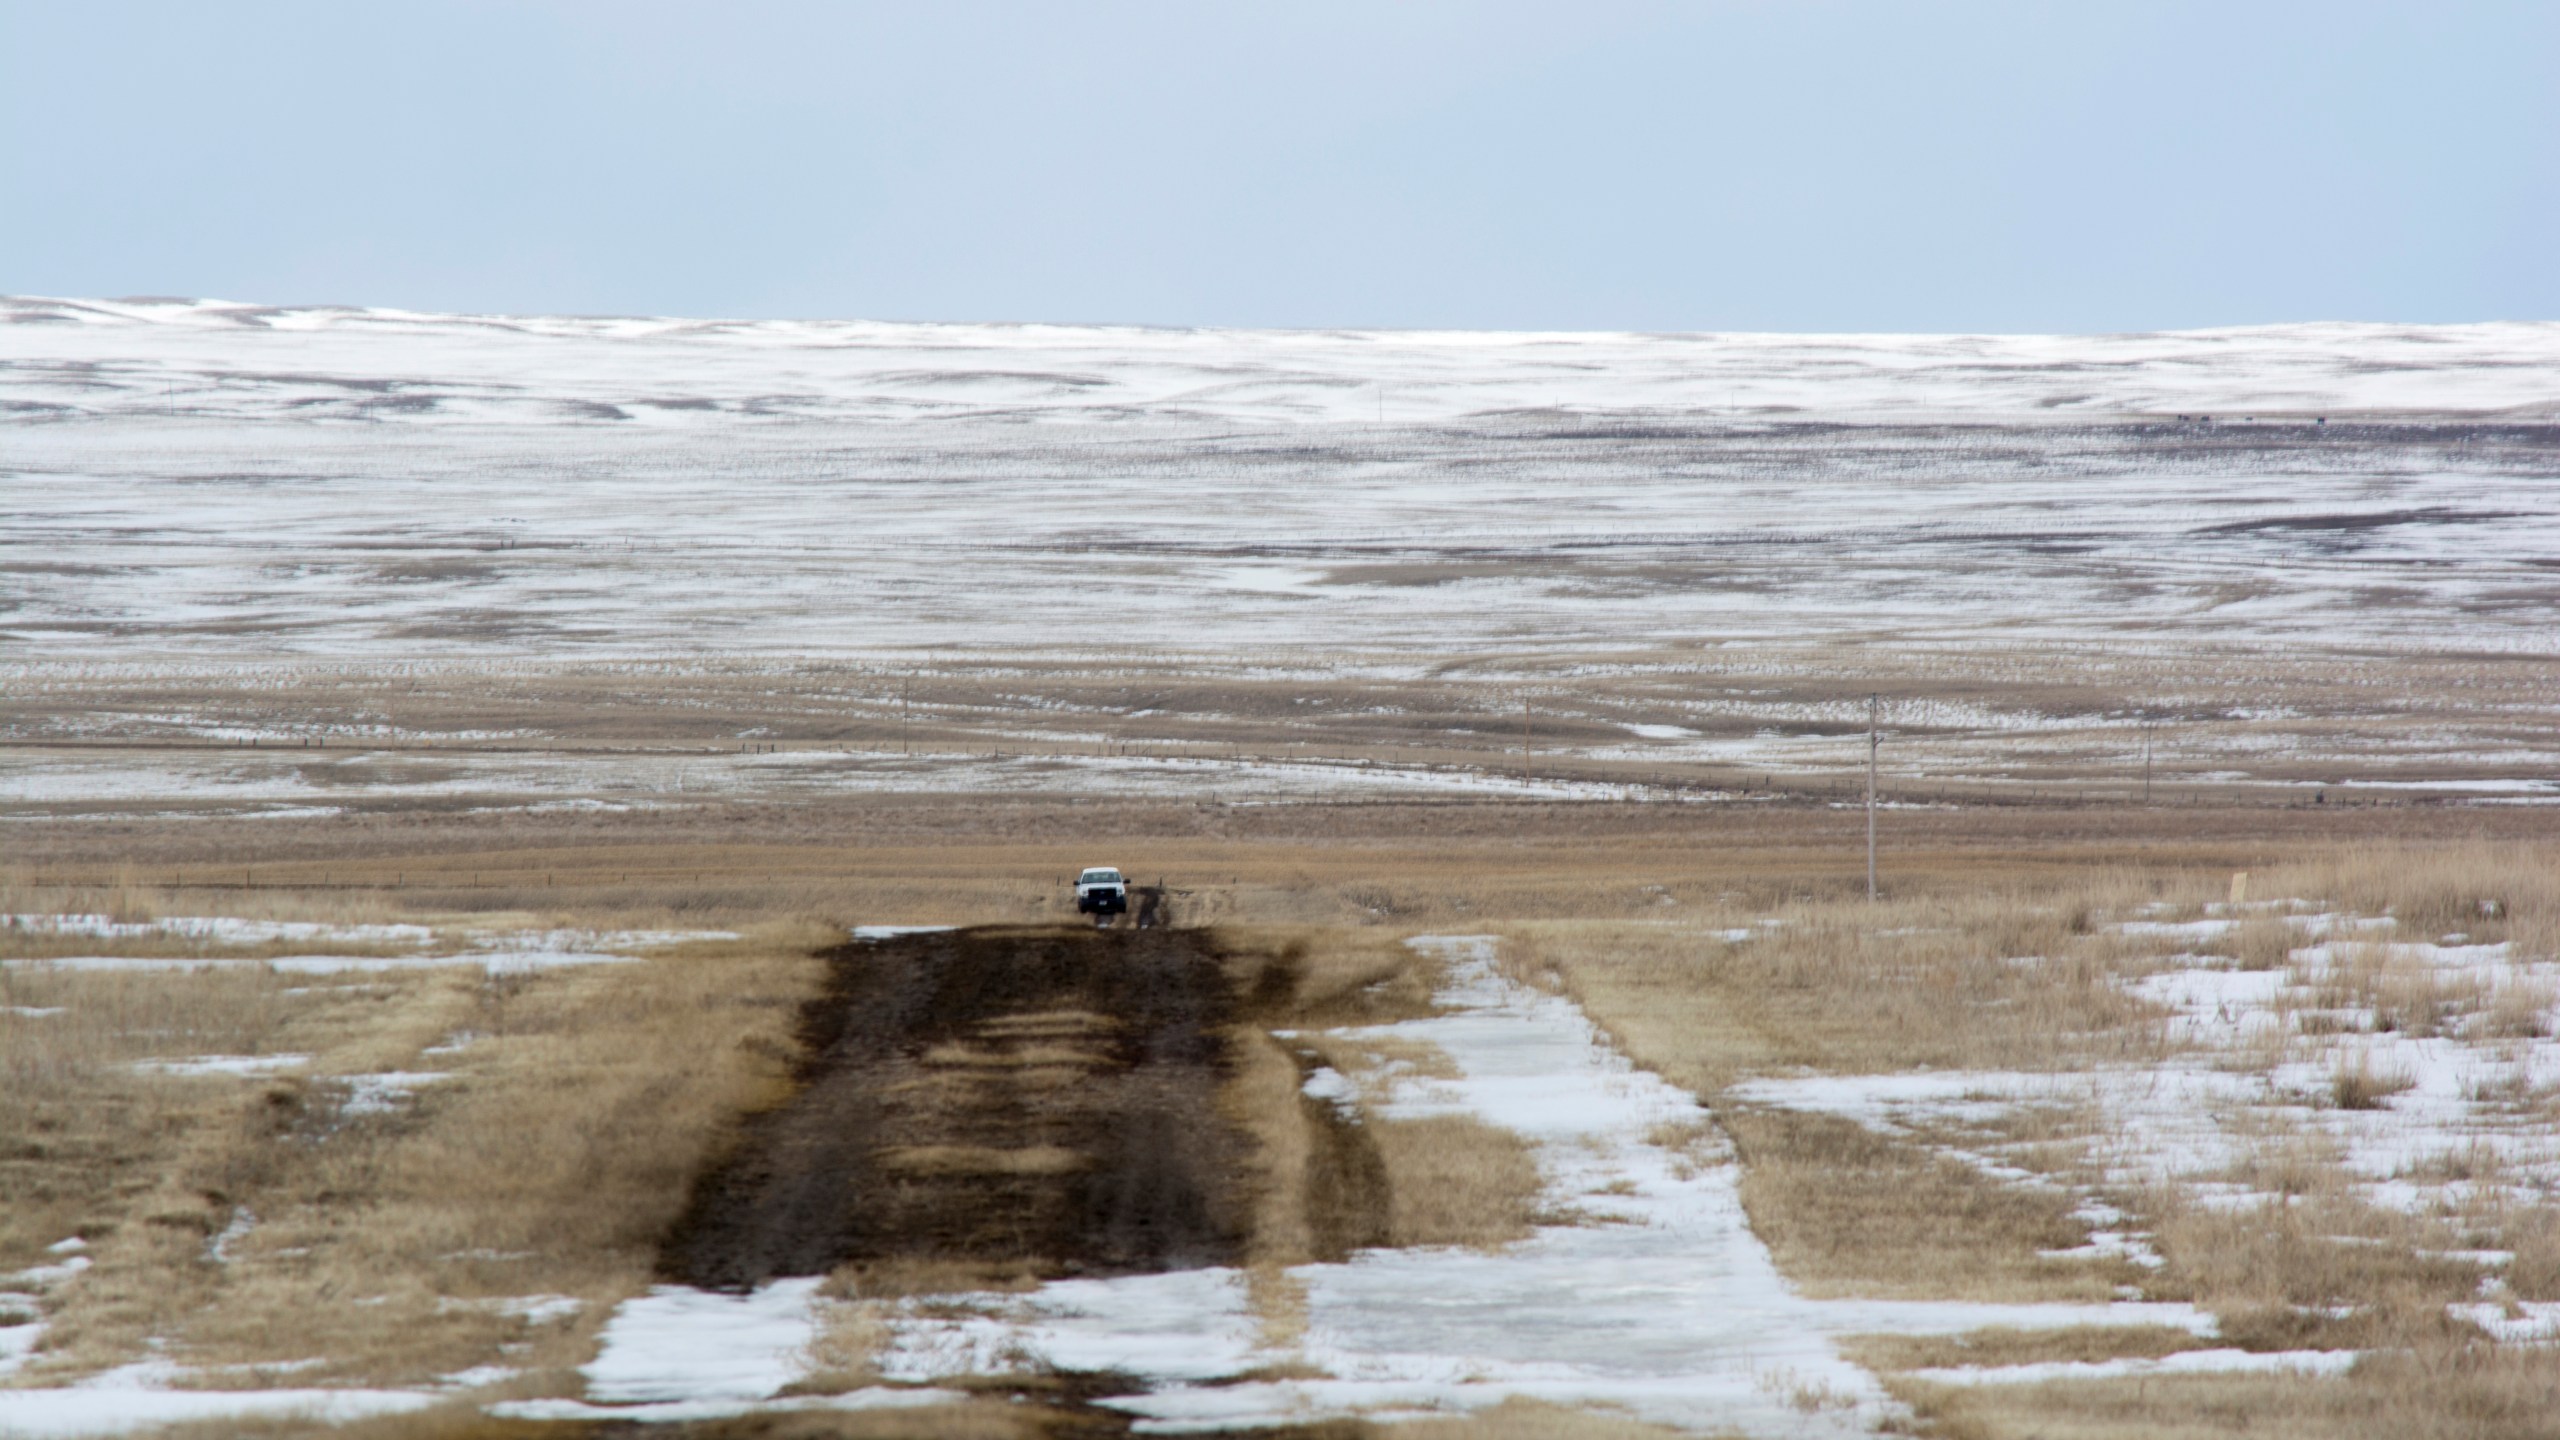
(531,1309)
(239,1065)
(383,1093)
(122,1408)
(218,930)
(2517,1322)
(677,1412)
(139,1396)
(892,932)
(678,1354)
(516,952)
(1669,1308)
(2185,1362)
(22,1323)
(677,1343)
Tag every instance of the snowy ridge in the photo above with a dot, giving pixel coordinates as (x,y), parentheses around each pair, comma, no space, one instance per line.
(72,358)
(211,482)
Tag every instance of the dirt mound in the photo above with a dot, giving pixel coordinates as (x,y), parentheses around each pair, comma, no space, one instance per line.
(1040,1097)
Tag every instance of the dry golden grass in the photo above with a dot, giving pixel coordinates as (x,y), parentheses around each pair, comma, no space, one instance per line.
(2318,1269)
(990,1418)
(985,1160)
(1450,1179)
(2483,890)
(547,1164)
(1961,967)
(1997,981)
(1846,1211)
(2003,1346)
(2359,1084)
(1455,1180)
(2466,1393)
(2262,942)
(1519,1419)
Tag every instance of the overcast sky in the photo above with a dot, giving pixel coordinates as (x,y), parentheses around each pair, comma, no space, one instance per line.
(1780,165)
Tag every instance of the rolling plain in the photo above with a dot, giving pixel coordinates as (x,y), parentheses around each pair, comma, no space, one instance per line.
(535,859)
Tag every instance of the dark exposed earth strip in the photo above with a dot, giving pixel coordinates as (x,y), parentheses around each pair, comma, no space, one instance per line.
(1036,1097)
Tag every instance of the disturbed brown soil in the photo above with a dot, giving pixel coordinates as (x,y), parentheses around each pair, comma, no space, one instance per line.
(1038,1097)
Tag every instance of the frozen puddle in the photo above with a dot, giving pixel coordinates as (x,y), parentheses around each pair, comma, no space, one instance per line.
(1666,1307)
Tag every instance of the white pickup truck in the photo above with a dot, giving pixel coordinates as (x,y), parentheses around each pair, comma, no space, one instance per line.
(1103,893)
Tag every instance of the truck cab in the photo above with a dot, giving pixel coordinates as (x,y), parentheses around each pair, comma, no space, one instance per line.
(1103,893)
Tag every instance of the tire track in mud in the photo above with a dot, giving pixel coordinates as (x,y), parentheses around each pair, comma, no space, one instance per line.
(1039,1099)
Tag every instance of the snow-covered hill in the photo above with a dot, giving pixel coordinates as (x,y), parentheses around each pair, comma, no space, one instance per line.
(226,480)
(87,358)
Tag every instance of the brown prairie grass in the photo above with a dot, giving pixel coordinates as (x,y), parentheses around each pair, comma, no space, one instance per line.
(985,1160)
(1455,1180)
(2262,942)
(2402,992)
(2358,1084)
(547,1163)
(2482,890)
(1521,1419)
(988,1418)
(1997,982)
(2001,1345)
(1330,1183)
(1847,1211)
(1957,972)
(2438,1392)
(2316,1267)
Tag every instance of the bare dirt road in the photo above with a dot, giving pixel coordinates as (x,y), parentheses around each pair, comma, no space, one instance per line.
(1040,1100)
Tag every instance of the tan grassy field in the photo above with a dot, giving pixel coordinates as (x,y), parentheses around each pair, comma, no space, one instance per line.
(557,1150)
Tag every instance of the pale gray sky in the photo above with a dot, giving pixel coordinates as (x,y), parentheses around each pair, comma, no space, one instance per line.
(1783,164)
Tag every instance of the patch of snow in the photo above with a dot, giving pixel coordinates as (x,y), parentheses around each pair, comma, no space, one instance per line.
(383,1093)
(2184,1362)
(17,1343)
(2514,1322)
(678,1344)
(2199,1116)
(679,1412)
(49,1274)
(218,930)
(218,1249)
(239,1065)
(531,1309)
(1331,1086)
(1179,1325)
(140,1396)
(892,932)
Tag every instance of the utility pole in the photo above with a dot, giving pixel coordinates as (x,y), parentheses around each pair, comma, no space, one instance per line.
(1873,705)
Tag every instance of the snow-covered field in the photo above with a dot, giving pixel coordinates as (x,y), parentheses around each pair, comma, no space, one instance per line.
(1690,551)
(218,480)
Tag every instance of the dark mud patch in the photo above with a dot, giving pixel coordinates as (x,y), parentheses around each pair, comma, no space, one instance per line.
(1042,1101)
